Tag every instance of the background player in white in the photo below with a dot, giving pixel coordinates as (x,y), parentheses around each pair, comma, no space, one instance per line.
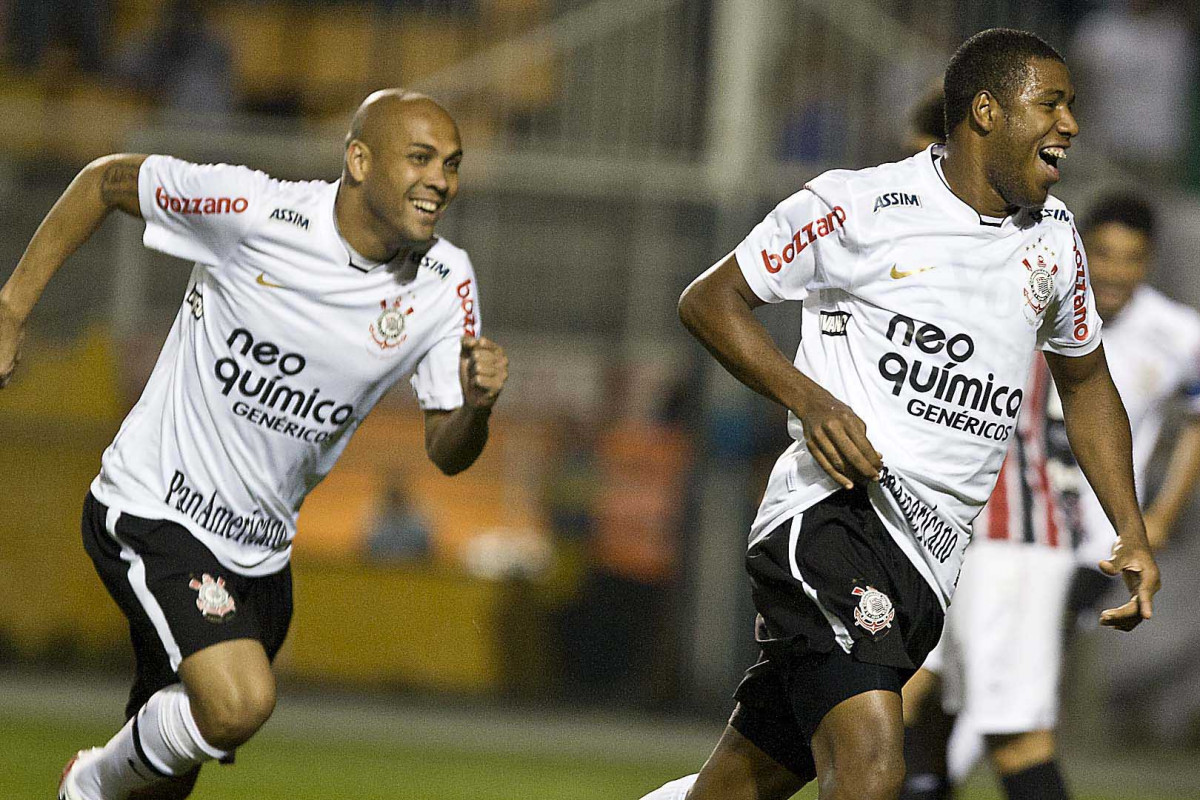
(1001,656)
(916,277)
(1154,346)
(306,303)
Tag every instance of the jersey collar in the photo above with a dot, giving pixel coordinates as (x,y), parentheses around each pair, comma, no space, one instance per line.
(936,154)
(356,260)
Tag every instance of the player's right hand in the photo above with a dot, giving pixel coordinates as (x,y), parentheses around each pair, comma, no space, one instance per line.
(837,439)
(12,333)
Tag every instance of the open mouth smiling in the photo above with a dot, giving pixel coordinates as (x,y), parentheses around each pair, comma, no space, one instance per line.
(1051,156)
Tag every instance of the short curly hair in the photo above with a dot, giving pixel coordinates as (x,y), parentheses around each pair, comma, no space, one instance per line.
(995,60)
(1125,208)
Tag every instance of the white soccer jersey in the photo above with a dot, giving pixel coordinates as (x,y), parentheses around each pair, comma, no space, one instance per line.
(923,317)
(1153,351)
(285,340)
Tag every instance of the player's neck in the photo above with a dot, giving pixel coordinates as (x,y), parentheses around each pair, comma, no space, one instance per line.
(354,223)
(967,178)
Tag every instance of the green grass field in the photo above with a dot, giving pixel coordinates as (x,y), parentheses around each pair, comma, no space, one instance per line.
(321,746)
(297,767)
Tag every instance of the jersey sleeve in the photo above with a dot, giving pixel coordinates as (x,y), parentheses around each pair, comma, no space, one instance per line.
(197,211)
(1074,326)
(435,380)
(800,244)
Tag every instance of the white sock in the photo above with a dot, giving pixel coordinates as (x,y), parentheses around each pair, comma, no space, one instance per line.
(161,741)
(675,790)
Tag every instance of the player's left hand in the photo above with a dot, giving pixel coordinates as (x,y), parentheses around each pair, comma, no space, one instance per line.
(482,371)
(1135,564)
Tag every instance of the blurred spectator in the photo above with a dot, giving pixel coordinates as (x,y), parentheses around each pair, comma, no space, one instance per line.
(1135,63)
(184,64)
(399,531)
(618,631)
(36,25)
(618,639)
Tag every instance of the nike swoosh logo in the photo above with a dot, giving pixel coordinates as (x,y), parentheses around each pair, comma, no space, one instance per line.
(897,274)
(261,280)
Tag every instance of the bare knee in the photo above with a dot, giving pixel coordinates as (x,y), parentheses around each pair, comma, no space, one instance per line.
(231,689)
(859,748)
(863,773)
(228,718)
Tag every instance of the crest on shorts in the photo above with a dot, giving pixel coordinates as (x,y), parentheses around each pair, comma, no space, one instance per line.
(387,331)
(214,602)
(874,611)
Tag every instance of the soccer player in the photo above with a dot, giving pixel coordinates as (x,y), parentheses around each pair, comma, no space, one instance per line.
(926,286)
(307,302)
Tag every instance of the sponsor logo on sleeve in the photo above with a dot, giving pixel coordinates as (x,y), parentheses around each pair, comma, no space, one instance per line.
(895,199)
(467,302)
(290,216)
(809,233)
(1080,301)
(199,205)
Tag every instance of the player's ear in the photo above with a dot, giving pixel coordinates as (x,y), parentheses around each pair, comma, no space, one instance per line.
(984,111)
(358,160)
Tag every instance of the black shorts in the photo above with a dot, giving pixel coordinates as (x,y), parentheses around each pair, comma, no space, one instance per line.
(177,597)
(841,611)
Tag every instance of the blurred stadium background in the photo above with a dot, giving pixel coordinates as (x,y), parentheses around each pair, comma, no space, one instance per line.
(568,618)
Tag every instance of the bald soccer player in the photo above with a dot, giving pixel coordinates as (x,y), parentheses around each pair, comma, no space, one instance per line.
(307,301)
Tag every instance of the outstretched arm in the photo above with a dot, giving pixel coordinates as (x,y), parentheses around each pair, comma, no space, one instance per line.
(717,309)
(107,183)
(1176,491)
(1098,430)
(454,439)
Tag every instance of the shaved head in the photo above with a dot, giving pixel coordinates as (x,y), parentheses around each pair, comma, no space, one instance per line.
(380,115)
(399,173)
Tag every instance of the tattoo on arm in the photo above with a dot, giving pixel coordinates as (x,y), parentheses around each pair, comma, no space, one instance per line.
(119,187)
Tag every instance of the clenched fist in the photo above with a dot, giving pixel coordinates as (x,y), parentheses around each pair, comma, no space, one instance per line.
(482,371)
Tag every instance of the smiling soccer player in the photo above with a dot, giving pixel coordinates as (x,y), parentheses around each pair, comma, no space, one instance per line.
(307,301)
(921,319)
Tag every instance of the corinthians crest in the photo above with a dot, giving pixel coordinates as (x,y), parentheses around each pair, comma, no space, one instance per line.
(214,602)
(874,611)
(387,330)
(1039,287)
